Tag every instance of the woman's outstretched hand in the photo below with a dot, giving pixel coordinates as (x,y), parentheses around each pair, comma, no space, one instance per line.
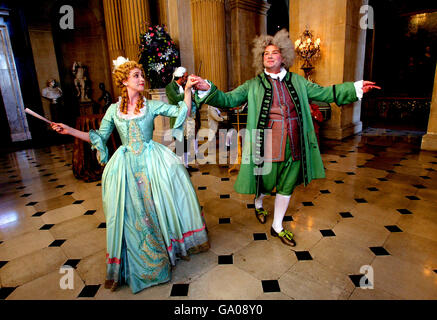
(191,82)
(60,128)
(369,85)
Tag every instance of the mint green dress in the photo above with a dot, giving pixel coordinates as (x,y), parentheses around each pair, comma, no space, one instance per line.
(152,212)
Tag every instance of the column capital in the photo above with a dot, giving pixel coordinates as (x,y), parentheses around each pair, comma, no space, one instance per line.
(258,6)
(198,1)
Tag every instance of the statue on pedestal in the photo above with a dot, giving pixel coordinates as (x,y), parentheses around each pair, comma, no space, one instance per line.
(53,93)
(81,81)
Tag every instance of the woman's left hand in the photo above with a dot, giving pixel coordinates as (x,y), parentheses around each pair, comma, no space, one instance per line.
(369,85)
(191,82)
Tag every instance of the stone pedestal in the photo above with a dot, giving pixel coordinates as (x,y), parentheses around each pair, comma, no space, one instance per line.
(429,140)
(161,132)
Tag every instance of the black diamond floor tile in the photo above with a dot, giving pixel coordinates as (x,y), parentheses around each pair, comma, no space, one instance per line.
(379,251)
(412,197)
(179,290)
(5,292)
(102,225)
(338,181)
(78,201)
(373,189)
(342,156)
(382,179)
(288,218)
(98,185)
(259,236)
(327,233)
(60,186)
(404,211)
(346,215)
(46,227)
(205,173)
(89,212)
(229,259)
(20,188)
(393,228)
(324,191)
(68,193)
(224,179)
(250,206)
(25,195)
(308,204)
(89,291)
(333,161)
(429,169)
(419,186)
(224,220)
(2,263)
(350,173)
(303,255)
(31,204)
(225,196)
(38,214)
(53,180)
(201,188)
(361,200)
(270,286)
(57,243)
(425,177)
(72,262)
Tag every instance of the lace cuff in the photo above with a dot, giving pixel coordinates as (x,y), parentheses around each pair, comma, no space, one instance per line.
(98,144)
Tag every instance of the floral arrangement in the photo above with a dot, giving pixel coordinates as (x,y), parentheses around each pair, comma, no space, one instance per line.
(158,55)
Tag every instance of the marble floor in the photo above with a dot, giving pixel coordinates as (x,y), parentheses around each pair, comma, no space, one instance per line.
(374,214)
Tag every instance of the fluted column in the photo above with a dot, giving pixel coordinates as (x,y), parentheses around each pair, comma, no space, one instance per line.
(209,40)
(114,31)
(135,17)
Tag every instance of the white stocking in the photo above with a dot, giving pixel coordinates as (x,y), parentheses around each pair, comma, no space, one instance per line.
(259,201)
(281,205)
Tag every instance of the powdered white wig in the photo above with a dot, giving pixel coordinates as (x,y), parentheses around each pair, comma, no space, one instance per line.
(282,40)
(179,72)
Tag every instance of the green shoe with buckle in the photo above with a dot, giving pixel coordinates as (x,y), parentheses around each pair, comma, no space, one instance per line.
(261,215)
(286,237)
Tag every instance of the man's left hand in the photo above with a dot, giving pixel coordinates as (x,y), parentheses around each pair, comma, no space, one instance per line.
(369,85)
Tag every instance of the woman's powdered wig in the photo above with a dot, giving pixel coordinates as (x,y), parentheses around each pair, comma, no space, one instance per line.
(281,40)
(120,74)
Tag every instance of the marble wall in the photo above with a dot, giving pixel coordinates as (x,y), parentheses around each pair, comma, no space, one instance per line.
(337,24)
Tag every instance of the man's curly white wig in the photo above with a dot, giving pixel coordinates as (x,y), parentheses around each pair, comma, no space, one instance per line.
(282,40)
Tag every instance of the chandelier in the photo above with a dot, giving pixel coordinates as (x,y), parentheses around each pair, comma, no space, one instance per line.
(308,49)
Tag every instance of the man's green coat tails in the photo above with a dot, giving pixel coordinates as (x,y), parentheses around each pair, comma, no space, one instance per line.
(257,92)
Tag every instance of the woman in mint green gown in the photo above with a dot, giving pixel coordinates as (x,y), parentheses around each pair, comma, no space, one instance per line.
(153,216)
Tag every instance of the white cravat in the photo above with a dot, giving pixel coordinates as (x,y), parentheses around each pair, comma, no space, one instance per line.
(279,75)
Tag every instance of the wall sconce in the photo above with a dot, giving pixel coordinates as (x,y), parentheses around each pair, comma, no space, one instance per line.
(308,50)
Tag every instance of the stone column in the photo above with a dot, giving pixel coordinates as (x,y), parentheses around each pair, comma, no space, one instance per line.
(114,32)
(342,53)
(135,17)
(248,20)
(209,40)
(429,140)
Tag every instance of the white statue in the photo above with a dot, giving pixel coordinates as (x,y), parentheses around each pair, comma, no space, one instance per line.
(52,91)
(80,79)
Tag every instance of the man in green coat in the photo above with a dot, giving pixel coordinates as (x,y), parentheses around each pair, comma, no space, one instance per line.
(175,93)
(280,149)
